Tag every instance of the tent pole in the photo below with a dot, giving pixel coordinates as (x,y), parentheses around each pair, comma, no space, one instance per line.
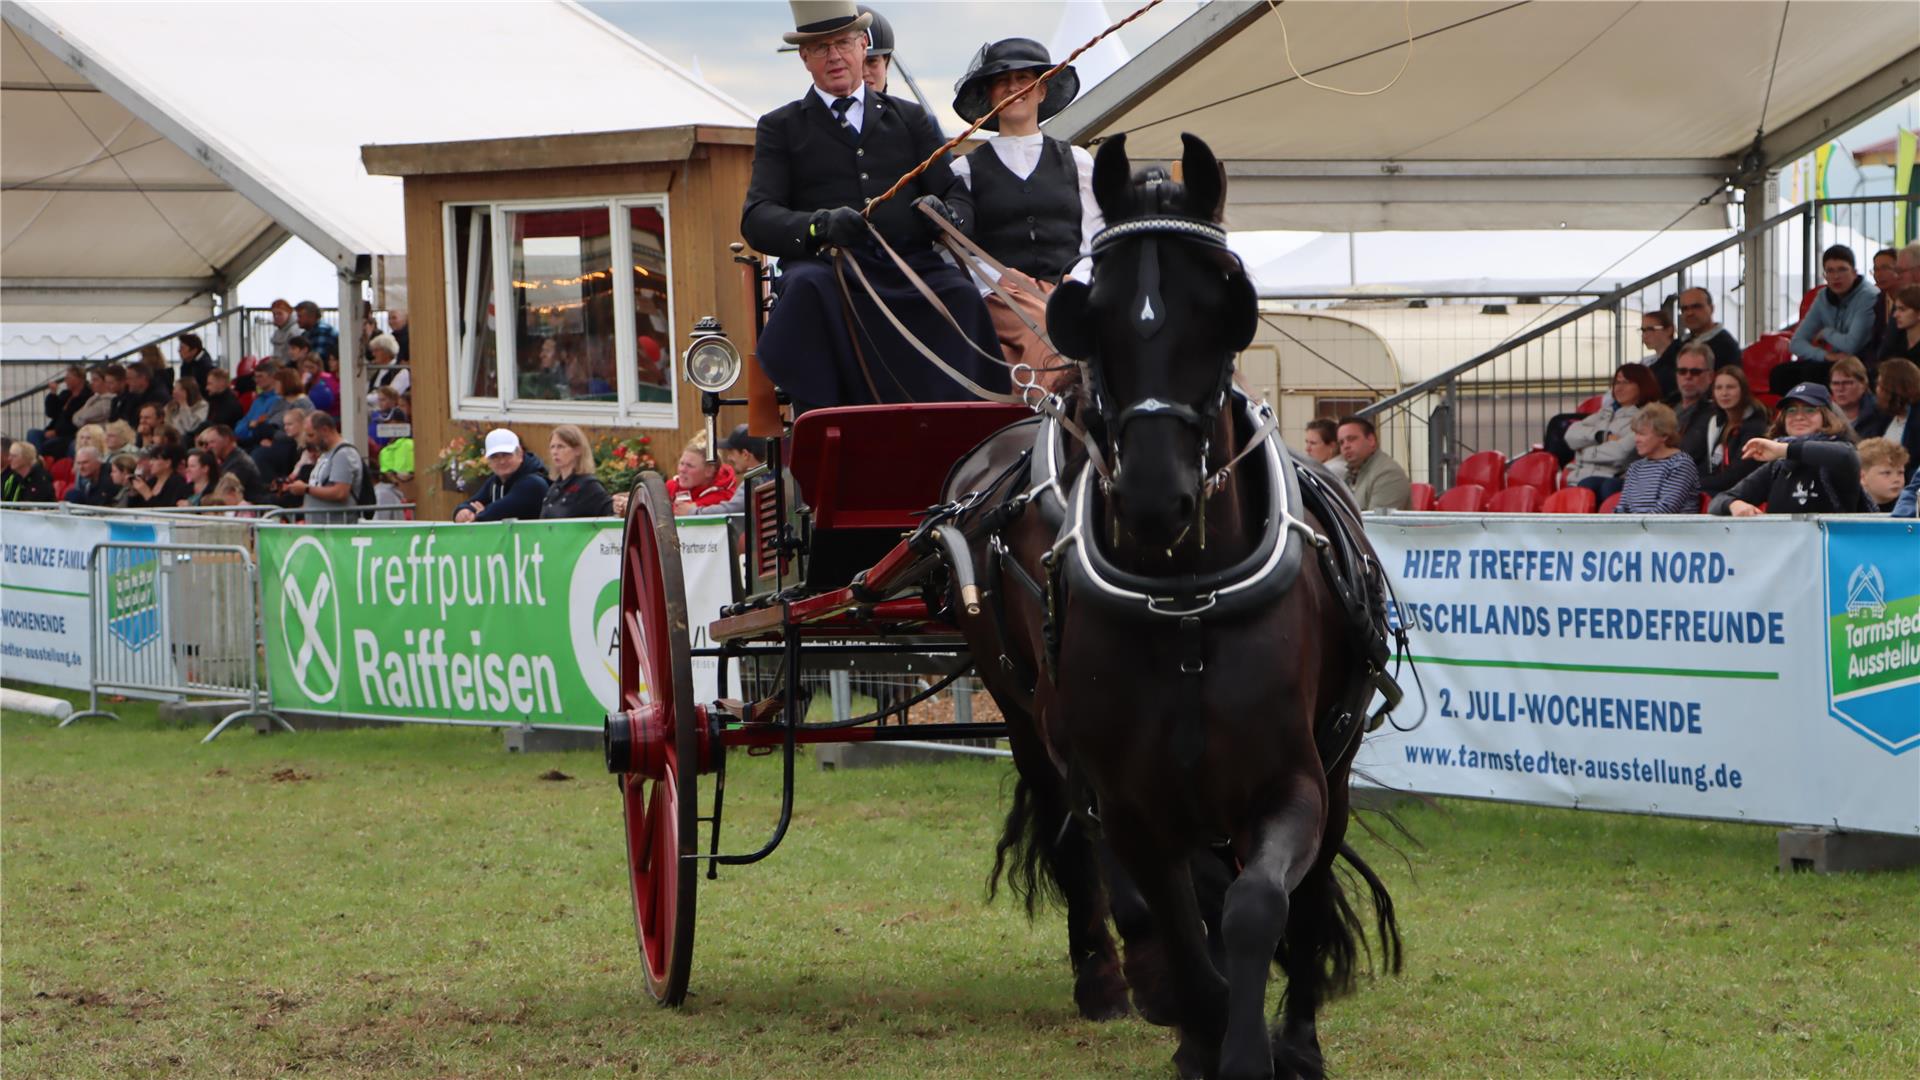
(353,426)
(1757,257)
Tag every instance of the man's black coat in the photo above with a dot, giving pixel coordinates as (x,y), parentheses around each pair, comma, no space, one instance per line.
(804,161)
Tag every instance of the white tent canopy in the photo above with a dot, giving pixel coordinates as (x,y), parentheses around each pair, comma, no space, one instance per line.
(1509,115)
(154,154)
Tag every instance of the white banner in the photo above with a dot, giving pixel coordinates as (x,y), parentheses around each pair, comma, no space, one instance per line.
(1674,666)
(707,563)
(45,622)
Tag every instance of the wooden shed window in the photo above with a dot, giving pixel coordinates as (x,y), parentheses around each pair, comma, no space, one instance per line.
(536,317)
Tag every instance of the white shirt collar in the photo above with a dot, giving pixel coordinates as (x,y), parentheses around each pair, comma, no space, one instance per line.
(859,95)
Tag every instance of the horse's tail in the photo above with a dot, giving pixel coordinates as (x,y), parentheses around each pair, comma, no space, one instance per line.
(1031,841)
(1337,934)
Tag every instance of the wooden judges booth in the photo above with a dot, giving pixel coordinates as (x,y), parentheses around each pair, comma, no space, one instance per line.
(556,279)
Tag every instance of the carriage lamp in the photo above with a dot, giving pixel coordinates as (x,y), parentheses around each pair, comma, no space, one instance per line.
(712,362)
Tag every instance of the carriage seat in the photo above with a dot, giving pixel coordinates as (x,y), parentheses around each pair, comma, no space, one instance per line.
(881,466)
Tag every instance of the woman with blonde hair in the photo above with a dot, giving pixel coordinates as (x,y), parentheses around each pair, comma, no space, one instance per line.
(1662,480)
(573,491)
(120,436)
(94,435)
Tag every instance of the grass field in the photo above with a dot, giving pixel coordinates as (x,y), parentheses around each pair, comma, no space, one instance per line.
(416,902)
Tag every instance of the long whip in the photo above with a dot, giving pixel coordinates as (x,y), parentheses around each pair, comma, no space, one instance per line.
(1039,84)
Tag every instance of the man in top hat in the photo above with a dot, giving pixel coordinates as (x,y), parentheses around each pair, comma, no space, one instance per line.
(1034,208)
(816,162)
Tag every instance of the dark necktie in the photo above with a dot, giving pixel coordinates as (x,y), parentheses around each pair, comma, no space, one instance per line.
(840,107)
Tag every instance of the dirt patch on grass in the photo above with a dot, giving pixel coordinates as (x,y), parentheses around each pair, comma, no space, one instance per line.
(554,774)
(289,776)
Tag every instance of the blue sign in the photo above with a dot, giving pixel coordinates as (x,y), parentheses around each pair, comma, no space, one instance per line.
(133,586)
(1873,623)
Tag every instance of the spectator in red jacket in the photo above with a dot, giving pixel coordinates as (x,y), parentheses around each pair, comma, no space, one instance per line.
(699,484)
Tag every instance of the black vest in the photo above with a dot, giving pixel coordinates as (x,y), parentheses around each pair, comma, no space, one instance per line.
(1032,225)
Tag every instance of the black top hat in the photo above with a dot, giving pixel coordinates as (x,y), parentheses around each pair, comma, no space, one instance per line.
(970,97)
(817,20)
(879,34)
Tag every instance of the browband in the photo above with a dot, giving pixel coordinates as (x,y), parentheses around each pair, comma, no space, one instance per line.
(1187,228)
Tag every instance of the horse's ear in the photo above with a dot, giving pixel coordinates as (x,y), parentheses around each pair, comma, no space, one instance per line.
(1112,178)
(1067,324)
(1243,311)
(1205,180)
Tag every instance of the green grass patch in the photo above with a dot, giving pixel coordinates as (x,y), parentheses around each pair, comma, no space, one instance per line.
(413,901)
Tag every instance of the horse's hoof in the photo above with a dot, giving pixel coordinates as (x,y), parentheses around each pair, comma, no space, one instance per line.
(1190,1064)
(1101,994)
(1296,1052)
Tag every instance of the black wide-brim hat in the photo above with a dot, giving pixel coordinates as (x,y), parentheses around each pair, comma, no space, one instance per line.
(971,99)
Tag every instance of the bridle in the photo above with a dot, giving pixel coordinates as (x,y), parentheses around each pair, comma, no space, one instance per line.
(1146,316)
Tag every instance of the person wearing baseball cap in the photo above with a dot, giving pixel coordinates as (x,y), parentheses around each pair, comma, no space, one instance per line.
(516,488)
(1810,466)
(817,162)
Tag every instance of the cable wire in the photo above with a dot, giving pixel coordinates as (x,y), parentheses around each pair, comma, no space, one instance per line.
(1286,47)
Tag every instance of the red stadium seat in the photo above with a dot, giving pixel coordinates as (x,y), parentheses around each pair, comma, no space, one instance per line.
(62,470)
(1589,406)
(1539,470)
(1520,500)
(1611,501)
(1758,361)
(1572,500)
(1706,501)
(1463,499)
(1806,302)
(1422,497)
(60,488)
(1487,468)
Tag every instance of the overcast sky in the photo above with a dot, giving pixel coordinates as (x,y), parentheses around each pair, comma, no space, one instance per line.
(734,42)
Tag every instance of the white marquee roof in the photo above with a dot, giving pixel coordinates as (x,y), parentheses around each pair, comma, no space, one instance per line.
(1510,115)
(155,151)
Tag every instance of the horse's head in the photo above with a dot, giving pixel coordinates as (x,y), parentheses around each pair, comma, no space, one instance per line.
(1168,310)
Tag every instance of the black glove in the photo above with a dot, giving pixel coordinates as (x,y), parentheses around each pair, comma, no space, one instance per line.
(841,226)
(939,206)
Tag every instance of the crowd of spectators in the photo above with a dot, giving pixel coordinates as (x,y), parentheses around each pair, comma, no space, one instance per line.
(147,434)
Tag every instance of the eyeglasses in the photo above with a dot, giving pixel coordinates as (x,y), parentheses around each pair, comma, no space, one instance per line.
(846,46)
(1800,410)
(1691,370)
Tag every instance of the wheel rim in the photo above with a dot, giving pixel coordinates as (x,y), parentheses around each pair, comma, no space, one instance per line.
(659,810)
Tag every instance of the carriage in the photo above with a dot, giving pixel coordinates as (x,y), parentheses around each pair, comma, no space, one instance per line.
(842,561)
(1185,624)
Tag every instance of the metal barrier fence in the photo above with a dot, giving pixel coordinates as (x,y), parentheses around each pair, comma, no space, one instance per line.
(1501,398)
(176,619)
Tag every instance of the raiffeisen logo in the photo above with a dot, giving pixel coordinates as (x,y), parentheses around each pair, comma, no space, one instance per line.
(1873,639)
(310,619)
(593,604)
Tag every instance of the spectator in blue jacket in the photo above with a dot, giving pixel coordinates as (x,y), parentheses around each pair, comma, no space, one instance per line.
(515,490)
(1840,322)
(1908,504)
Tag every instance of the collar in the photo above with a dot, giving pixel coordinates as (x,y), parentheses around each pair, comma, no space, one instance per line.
(859,95)
(1020,140)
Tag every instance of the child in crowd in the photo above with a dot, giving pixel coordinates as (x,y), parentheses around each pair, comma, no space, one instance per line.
(1883,465)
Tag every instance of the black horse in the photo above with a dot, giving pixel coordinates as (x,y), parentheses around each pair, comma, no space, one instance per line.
(1184,625)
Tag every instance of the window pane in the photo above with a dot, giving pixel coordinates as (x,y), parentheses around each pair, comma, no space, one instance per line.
(475,347)
(654,358)
(563,303)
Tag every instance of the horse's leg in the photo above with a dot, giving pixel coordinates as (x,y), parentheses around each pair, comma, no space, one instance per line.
(1313,923)
(1039,827)
(1282,845)
(1195,994)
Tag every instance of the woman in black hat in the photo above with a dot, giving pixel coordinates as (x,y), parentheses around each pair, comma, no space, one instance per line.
(1034,209)
(1810,464)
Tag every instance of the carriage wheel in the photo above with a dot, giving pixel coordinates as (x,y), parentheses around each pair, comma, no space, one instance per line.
(659,786)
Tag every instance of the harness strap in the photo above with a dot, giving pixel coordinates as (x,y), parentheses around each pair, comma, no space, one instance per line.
(854,329)
(963,246)
(1218,480)
(927,293)
(920,346)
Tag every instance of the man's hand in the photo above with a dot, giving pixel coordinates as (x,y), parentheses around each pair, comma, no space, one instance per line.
(939,206)
(841,226)
(463,515)
(297,487)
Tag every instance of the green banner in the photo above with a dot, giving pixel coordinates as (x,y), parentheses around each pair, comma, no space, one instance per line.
(509,623)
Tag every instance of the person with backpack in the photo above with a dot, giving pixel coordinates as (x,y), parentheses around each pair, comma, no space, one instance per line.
(334,487)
